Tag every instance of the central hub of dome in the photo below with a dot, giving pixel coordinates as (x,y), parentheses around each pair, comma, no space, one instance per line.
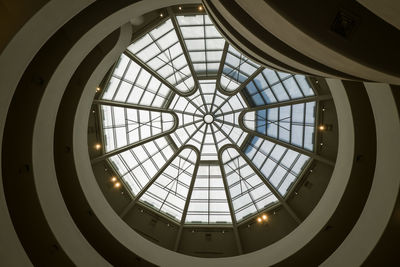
(208,118)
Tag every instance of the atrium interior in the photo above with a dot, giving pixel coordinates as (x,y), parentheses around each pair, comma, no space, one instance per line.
(199,133)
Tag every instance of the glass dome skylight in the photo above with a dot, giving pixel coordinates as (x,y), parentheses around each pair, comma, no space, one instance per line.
(201,133)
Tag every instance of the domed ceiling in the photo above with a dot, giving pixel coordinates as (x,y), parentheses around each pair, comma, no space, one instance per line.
(201,133)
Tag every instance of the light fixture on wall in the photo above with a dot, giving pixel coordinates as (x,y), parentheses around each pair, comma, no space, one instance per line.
(262,218)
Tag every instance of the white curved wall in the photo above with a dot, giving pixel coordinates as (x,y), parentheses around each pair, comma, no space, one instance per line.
(385,188)
(13,61)
(67,233)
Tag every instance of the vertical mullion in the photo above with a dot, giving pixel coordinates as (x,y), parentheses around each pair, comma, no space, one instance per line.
(304,123)
(229,199)
(188,198)
(184,48)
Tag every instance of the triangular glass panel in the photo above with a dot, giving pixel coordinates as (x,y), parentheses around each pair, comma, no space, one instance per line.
(161,50)
(139,164)
(279,165)
(130,83)
(169,190)
(227,118)
(129,126)
(237,69)
(248,192)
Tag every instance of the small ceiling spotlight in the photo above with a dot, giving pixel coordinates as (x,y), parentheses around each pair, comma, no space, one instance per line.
(117,185)
(98,89)
(180,8)
(97,146)
(113,179)
(323,109)
(200,8)
(161,15)
(259,220)
(322,127)
(264,217)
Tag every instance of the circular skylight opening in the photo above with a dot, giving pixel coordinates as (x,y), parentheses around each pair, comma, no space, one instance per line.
(208,118)
(198,132)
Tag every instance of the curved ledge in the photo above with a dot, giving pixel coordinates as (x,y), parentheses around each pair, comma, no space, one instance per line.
(264,46)
(385,188)
(318,44)
(35,33)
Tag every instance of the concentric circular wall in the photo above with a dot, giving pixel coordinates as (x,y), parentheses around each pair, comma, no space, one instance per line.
(56,210)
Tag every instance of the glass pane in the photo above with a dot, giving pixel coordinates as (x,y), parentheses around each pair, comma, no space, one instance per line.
(237,69)
(208,203)
(271,86)
(166,49)
(280,166)
(247,190)
(203,42)
(169,191)
(127,126)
